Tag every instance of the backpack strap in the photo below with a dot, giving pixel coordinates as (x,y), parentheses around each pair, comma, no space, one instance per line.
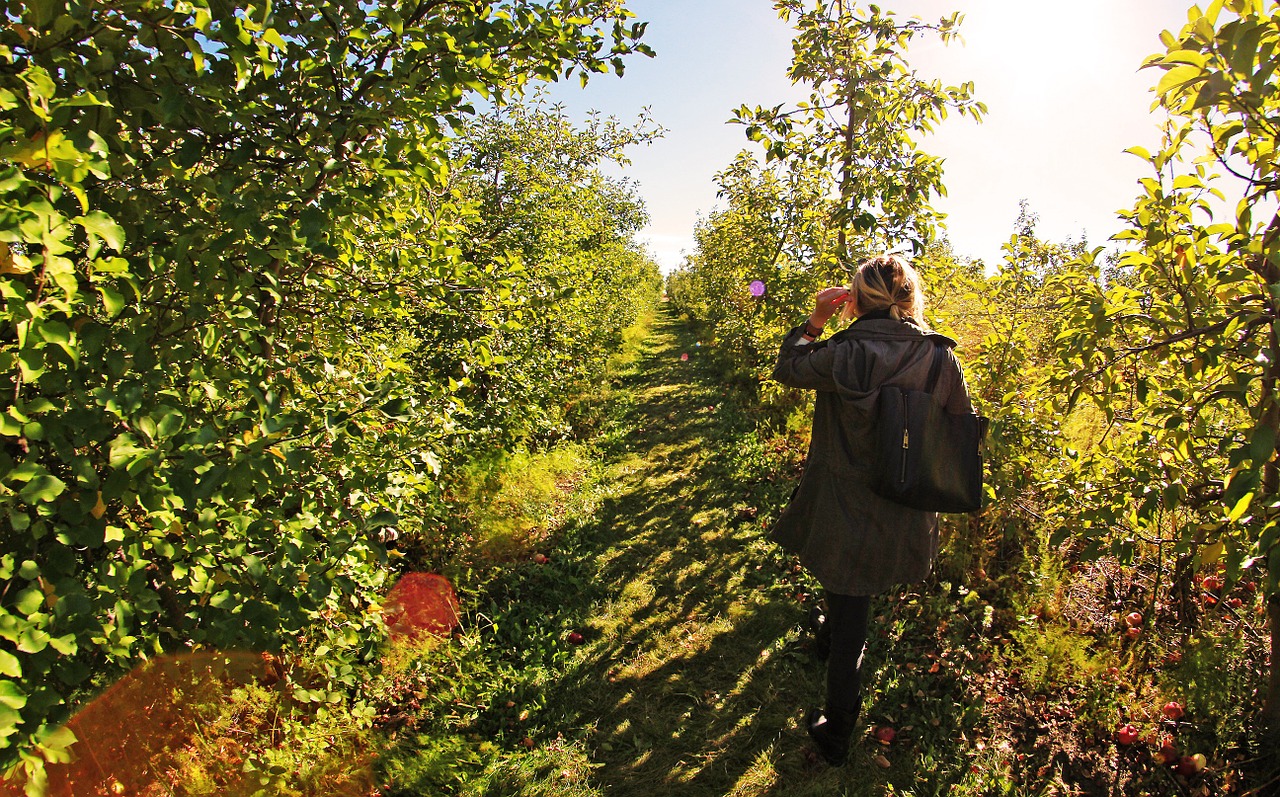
(936,368)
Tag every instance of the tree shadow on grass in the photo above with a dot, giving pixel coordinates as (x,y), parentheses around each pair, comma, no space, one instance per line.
(696,673)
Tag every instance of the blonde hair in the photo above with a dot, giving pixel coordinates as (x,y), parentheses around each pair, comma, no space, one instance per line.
(886,282)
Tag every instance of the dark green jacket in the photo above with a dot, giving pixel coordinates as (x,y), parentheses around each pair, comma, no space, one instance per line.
(852,540)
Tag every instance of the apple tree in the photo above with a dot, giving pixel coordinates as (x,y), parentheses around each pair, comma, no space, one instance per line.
(203,207)
(862,122)
(1179,346)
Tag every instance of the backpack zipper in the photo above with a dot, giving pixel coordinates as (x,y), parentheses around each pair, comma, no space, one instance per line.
(906,441)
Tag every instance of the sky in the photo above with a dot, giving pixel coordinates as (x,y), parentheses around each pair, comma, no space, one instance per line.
(1061,82)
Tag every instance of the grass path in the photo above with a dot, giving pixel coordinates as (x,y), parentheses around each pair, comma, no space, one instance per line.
(694,676)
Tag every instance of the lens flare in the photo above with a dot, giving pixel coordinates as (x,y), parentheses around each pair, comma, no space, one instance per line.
(421,603)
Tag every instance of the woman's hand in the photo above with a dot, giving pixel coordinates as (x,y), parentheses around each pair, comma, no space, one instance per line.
(828,301)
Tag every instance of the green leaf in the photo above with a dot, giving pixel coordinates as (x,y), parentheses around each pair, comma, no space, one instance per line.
(1241,507)
(1262,446)
(272,37)
(112,300)
(55,743)
(103,226)
(29,601)
(42,489)
(32,640)
(124,450)
(9,665)
(1178,77)
(11,695)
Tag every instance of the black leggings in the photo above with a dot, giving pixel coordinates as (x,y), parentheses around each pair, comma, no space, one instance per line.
(847,620)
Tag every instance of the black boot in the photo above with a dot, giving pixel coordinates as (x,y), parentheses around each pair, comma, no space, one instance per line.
(830,735)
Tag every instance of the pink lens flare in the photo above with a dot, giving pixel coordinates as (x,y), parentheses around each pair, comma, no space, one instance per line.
(757,288)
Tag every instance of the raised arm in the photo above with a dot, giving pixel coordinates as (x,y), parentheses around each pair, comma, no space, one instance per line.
(801,362)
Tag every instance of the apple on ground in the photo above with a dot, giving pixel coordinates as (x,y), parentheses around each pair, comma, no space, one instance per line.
(1173,710)
(1126,734)
(575,638)
(1134,619)
(885,734)
(1189,765)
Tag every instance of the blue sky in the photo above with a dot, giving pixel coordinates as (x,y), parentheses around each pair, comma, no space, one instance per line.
(1061,82)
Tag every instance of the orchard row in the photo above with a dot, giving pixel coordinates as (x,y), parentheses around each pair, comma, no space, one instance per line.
(272,276)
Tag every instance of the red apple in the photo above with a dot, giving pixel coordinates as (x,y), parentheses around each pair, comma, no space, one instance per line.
(1172,710)
(1168,754)
(1133,632)
(885,734)
(1212,583)
(540,558)
(1133,619)
(1188,765)
(575,638)
(1235,603)
(1126,734)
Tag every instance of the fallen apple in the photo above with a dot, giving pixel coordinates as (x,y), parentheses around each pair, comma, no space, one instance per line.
(1134,619)
(885,734)
(1126,734)
(1172,710)
(1212,583)
(576,638)
(1133,632)
(540,558)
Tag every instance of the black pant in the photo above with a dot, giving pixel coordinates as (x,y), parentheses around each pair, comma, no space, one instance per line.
(847,621)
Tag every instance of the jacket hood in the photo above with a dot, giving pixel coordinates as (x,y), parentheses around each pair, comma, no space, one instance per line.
(874,351)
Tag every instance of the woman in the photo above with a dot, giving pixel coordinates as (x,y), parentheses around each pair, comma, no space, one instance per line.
(854,542)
